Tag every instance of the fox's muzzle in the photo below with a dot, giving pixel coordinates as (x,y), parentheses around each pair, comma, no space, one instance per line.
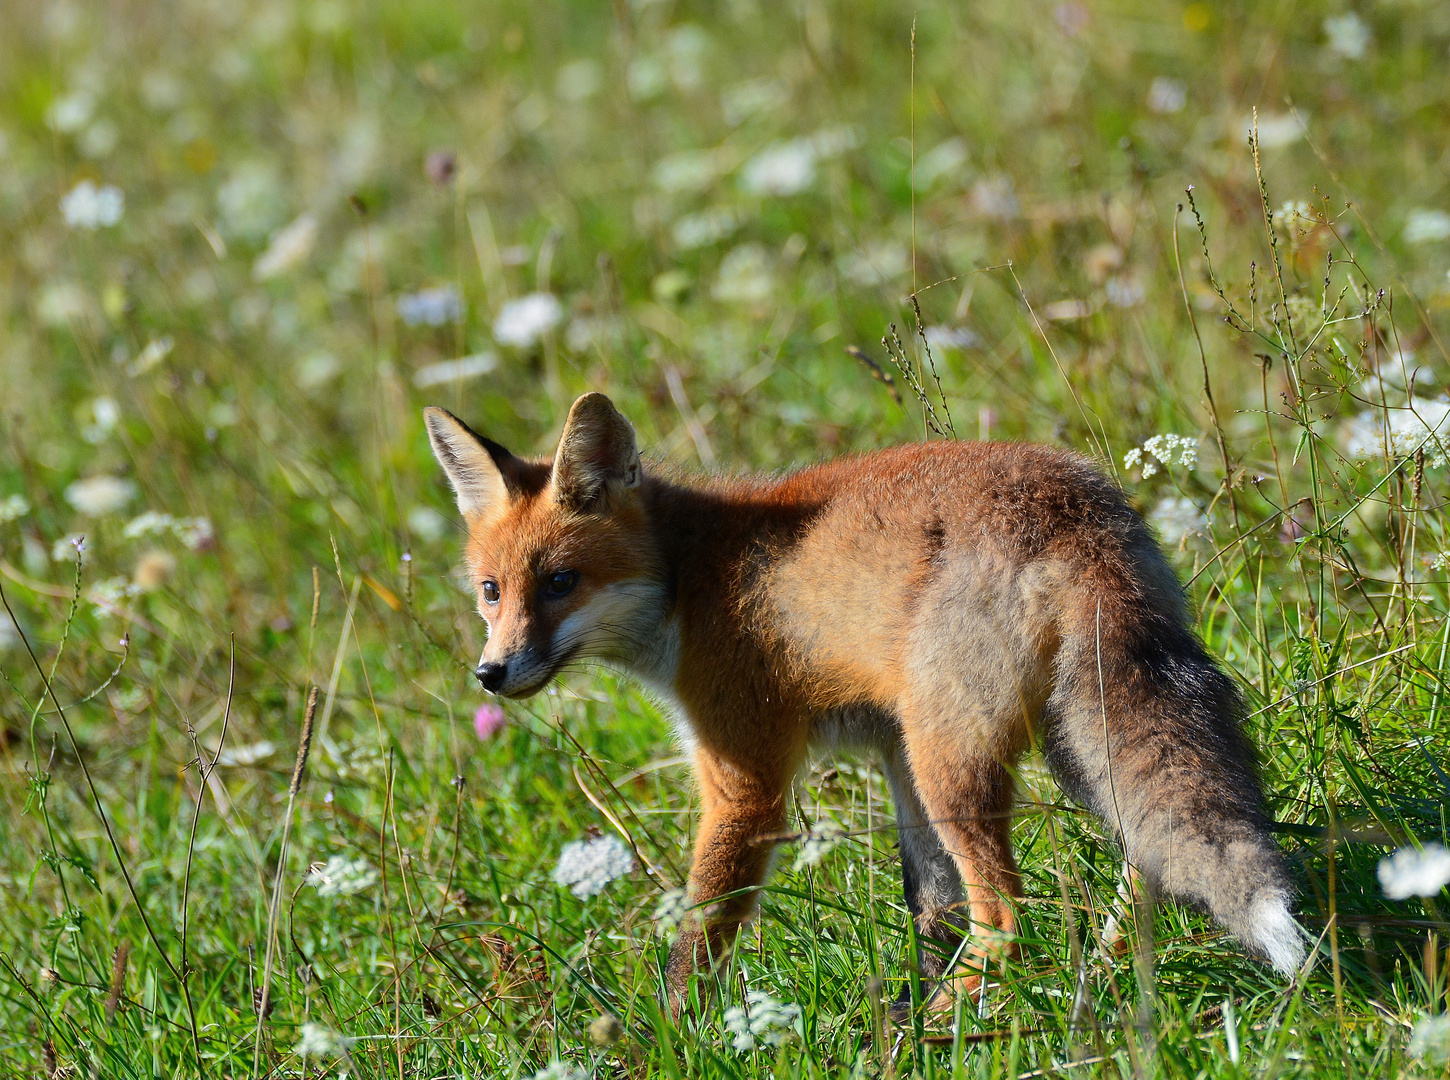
(518,674)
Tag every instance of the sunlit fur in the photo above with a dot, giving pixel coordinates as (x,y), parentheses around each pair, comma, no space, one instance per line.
(945,605)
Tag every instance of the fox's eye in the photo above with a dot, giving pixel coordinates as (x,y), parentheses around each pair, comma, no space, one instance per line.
(490,592)
(560,583)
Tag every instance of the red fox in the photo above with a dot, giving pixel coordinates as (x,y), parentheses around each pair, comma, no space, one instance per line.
(943,604)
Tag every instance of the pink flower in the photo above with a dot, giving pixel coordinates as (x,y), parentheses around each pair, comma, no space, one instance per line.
(489,720)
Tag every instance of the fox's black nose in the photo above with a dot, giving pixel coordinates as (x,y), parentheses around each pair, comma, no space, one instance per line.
(490,676)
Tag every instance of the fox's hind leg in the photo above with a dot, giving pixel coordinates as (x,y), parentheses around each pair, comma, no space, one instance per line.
(929,877)
(968,800)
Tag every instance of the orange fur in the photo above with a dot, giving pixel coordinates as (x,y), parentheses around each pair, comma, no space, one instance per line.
(945,604)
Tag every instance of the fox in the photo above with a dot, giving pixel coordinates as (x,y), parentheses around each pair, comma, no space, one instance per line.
(942,605)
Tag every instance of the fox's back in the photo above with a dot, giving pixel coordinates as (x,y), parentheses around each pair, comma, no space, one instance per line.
(949,553)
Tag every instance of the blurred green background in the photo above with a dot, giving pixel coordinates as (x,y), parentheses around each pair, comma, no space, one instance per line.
(242,245)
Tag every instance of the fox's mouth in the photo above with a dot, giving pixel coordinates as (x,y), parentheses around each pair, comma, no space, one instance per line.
(548,672)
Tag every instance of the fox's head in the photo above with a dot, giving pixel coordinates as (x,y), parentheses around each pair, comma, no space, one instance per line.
(560,550)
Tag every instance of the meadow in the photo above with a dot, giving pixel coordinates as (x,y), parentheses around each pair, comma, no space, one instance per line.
(243,245)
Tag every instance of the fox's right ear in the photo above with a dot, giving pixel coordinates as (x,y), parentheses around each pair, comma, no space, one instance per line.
(481,471)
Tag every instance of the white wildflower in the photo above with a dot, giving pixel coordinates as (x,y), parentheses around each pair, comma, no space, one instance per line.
(687,171)
(942,161)
(1066,310)
(431,307)
(831,142)
(524,321)
(951,337)
(87,206)
(561,1070)
(587,331)
(751,98)
(817,842)
(9,632)
(196,533)
(782,168)
(426,523)
(12,507)
(247,753)
(579,80)
(1430,1039)
(1415,872)
(1177,519)
(1167,95)
(251,202)
(100,495)
(762,1021)
(288,248)
(1426,226)
(1348,35)
(1276,130)
(107,595)
(451,371)
(341,876)
(69,114)
(1441,561)
(994,197)
(63,302)
(1124,291)
(587,866)
(105,415)
(672,910)
(316,370)
(745,277)
(878,263)
(704,228)
(1162,450)
(1409,429)
(99,139)
(156,350)
(318,1040)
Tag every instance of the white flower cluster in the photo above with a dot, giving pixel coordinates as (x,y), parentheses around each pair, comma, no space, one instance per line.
(100,495)
(319,1040)
(196,533)
(1415,872)
(561,1070)
(587,866)
(524,321)
(87,206)
(1367,434)
(788,168)
(762,1020)
(341,876)
(1441,561)
(1177,519)
(1430,1039)
(431,307)
(107,595)
(288,248)
(817,843)
(671,911)
(12,507)
(1161,450)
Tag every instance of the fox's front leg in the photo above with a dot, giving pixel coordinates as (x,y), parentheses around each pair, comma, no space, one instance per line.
(742,811)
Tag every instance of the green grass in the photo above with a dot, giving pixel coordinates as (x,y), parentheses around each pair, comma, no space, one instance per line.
(284,409)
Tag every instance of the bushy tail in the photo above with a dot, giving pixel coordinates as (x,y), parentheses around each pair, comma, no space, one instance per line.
(1145,729)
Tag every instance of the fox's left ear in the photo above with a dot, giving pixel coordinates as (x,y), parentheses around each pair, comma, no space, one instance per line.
(597,461)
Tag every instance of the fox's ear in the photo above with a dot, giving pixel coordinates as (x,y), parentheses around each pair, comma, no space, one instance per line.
(481,471)
(597,460)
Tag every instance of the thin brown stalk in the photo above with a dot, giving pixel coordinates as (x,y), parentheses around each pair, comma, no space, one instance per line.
(304,746)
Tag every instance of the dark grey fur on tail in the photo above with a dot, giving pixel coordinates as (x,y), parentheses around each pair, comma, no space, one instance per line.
(1144,729)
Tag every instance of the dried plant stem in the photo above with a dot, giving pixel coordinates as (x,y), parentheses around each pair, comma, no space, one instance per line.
(304,745)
